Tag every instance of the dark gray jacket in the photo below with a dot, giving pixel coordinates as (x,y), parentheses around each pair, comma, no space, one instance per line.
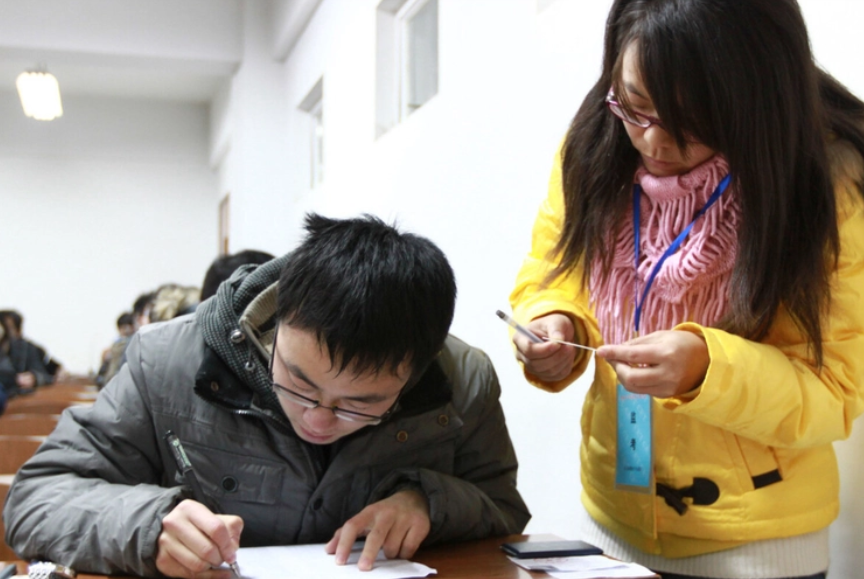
(94,495)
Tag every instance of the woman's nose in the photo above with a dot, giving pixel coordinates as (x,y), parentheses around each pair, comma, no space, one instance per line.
(657,138)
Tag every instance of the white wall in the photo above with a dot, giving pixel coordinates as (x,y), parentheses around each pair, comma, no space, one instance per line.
(467,170)
(109,201)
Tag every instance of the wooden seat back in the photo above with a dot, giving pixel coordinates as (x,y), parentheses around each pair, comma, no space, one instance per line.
(28,424)
(6,553)
(16,450)
(33,405)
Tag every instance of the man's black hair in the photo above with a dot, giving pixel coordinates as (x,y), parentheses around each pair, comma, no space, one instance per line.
(223,266)
(125,319)
(141,303)
(12,319)
(374,296)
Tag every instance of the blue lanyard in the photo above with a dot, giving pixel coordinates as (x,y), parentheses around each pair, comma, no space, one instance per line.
(637,194)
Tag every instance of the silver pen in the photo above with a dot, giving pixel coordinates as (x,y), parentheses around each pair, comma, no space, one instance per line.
(184,465)
(534,337)
(519,328)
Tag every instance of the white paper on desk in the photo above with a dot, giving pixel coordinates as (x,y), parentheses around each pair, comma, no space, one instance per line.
(583,567)
(311,562)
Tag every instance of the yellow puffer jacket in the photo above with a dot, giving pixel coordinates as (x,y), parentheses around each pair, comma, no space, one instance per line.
(760,426)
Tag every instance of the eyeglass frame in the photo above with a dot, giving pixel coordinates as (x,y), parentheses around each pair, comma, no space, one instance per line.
(340,413)
(618,110)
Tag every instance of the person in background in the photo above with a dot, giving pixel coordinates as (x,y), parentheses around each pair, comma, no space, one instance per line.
(14,323)
(166,302)
(319,398)
(225,265)
(173,300)
(112,357)
(704,230)
(141,308)
(21,365)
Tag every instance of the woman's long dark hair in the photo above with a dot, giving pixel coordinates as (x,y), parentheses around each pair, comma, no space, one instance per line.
(739,77)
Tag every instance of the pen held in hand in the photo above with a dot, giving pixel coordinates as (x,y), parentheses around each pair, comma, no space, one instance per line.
(184,465)
(8,571)
(519,328)
(534,337)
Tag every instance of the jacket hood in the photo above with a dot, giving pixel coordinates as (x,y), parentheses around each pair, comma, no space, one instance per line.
(237,324)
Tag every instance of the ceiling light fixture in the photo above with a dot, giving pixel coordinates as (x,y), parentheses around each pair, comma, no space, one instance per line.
(40,95)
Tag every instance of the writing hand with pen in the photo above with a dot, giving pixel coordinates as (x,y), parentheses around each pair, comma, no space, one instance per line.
(196,540)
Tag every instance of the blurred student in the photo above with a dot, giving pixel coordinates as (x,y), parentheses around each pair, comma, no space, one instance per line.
(21,366)
(14,324)
(225,265)
(112,357)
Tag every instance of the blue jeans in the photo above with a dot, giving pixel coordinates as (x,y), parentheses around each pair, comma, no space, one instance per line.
(674,576)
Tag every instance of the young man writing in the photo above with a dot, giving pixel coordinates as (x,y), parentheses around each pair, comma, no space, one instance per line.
(319,399)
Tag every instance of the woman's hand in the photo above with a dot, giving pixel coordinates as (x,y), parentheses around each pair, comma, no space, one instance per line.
(661,364)
(548,361)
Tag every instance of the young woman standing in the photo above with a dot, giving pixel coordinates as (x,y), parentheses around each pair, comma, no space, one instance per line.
(704,229)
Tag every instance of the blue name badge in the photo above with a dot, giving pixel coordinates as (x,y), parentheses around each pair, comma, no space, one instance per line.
(633,468)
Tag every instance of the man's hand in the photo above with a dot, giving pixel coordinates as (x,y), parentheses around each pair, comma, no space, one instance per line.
(548,361)
(398,523)
(194,541)
(26,380)
(661,364)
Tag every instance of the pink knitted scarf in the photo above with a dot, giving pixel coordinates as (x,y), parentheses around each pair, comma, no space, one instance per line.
(693,283)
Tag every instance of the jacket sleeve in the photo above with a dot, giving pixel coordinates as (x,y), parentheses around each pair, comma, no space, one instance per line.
(90,497)
(533,297)
(479,499)
(771,392)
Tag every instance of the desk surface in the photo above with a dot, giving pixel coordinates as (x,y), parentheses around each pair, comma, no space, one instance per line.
(477,559)
(471,560)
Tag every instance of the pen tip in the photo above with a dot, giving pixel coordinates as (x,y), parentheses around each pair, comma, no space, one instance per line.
(499,313)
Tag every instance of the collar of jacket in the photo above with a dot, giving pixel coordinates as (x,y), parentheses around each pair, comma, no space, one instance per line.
(239,298)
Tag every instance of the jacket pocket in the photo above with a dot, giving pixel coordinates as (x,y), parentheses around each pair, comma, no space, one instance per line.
(761,463)
(229,476)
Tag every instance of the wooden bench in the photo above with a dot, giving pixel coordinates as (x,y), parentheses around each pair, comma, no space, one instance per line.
(33,405)
(6,553)
(16,450)
(28,424)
